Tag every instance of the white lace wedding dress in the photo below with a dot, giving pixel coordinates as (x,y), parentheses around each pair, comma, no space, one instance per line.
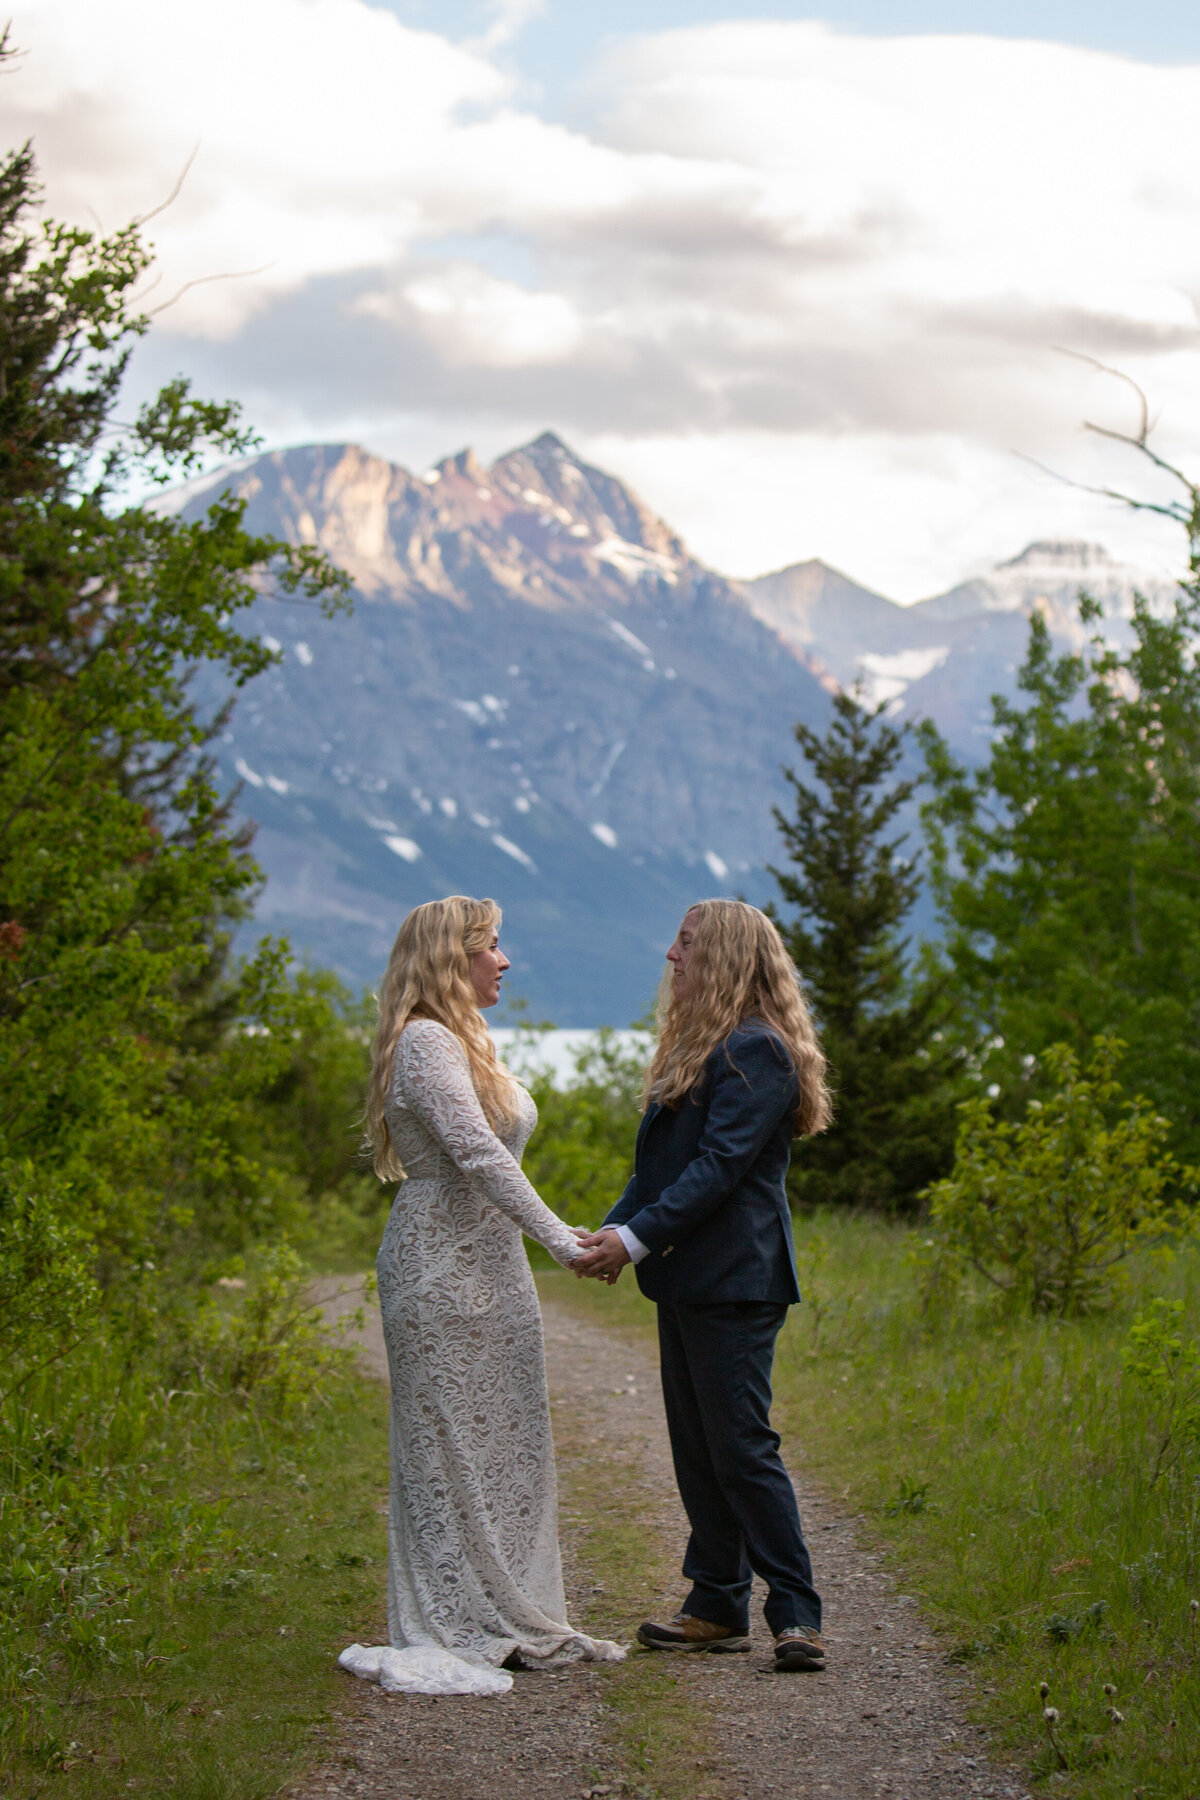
(473,1562)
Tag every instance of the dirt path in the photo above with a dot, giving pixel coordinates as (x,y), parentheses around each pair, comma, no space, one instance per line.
(887,1718)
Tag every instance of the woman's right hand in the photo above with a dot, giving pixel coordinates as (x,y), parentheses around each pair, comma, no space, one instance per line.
(605,1255)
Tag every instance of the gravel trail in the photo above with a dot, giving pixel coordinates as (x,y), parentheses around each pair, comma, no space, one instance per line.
(886,1718)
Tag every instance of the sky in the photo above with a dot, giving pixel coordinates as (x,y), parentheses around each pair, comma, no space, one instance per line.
(825,284)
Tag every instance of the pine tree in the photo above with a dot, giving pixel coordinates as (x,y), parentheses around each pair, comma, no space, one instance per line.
(893,1072)
(122,1062)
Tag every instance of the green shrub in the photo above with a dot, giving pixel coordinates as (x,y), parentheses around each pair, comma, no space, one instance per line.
(1166,1369)
(581,1155)
(1046,1209)
(49,1301)
(270,1343)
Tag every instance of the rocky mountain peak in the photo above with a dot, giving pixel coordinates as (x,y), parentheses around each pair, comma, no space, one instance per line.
(549,444)
(591,506)
(539,524)
(465,464)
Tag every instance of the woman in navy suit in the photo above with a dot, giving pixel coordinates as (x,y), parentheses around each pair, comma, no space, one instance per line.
(737,1074)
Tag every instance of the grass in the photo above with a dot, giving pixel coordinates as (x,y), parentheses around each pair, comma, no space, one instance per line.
(179,1569)
(1009,1465)
(180,1572)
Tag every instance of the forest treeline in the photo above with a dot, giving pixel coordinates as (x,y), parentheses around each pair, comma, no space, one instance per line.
(179,1125)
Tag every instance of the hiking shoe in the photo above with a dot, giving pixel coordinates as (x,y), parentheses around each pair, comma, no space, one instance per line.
(686,1633)
(798,1648)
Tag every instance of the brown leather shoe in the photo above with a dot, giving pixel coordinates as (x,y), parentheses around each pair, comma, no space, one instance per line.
(686,1633)
(799,1648)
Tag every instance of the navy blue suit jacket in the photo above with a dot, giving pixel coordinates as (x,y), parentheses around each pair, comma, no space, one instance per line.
(707,1193)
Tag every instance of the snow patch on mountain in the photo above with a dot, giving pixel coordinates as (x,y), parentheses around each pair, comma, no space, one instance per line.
(634,561)
(887,677)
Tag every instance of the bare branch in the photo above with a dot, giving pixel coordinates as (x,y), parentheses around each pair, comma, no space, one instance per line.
(1093,362)
(1172,509)
(201,280)
(145,218)
(1185,512)
(135,300)
(1139,444)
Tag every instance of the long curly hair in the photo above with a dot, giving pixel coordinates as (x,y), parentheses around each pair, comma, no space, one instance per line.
(738,969)
(429,977)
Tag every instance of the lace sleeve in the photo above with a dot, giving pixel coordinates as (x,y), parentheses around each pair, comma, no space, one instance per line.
(433,1078)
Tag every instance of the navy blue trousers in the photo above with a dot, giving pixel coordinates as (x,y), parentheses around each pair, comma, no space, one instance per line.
(740,1503)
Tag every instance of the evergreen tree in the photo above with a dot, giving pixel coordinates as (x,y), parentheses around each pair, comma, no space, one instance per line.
(895,1077)
(124,1063)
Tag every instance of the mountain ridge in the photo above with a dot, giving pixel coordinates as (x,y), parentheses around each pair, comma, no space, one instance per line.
(540,693)
(543,694)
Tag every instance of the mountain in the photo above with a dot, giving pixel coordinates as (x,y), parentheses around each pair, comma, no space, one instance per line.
(1051,576)
(543,696)
(843,632)
(945,657)
(540,695)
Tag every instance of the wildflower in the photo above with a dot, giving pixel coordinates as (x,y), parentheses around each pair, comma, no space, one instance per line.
(1118,1718)
(1044,1689)
(1109,1689)
(1050,1715)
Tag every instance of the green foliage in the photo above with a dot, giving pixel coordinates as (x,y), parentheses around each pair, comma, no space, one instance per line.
(1165,1367)
(307,1121)
(178,1570)
(49,1301)
(98,1474)
(1065,865)
(165,1115)
(1036,1444)
(581,1155)
(272,1344)
(1046,1209)
(125,1061)
(895,1075)
(910,1497)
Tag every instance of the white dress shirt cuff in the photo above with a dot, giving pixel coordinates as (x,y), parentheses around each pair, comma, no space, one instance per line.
(637,1250)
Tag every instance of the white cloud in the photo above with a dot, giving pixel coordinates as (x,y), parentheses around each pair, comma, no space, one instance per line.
(317,124)
(801,286)
(906,516)
(472,318)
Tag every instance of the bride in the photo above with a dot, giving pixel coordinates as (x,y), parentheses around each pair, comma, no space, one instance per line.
(474,1578)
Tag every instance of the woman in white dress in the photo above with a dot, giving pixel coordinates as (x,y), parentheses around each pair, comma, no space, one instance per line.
(473,1559)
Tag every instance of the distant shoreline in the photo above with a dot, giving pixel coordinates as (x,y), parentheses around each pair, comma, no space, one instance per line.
(555,1052)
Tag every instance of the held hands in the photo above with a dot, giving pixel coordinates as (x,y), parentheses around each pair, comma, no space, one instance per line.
(604,1255)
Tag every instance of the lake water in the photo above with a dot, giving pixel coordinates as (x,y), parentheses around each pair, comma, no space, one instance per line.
(555,1052)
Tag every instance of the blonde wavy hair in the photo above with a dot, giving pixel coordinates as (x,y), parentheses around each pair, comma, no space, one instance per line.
(429,977)
(738,969)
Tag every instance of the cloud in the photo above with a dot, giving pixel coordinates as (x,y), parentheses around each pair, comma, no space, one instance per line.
(760,247)
(509,19)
